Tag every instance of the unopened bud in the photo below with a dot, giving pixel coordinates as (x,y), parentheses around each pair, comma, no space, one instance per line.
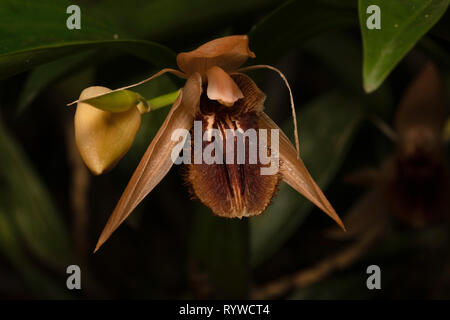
(103,137)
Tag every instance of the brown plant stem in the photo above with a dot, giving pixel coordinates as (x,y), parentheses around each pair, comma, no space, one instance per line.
(309,276)
(79,186)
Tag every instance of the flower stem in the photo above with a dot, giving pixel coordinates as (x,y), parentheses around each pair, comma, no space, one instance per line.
(164,100)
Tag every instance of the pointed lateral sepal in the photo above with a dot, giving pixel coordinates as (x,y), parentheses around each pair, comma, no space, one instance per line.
(295,174)
(157,161)
(102,137)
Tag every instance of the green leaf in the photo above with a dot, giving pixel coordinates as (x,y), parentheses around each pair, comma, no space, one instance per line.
(33,33)
(403,23)
(296,21)
(327,126)
(117,101)
(46,74)
(220,246)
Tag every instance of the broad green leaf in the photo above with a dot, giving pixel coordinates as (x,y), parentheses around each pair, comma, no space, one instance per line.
(220,246)
(403,23)
(296,21)
(327,126)
(46,74)
(117,101)
(33,33)
(12,63)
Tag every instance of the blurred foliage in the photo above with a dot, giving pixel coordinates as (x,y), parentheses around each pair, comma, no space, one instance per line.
(172,247)
(221,249)
(402,25)
(52,39)
(306,19)
(29,222)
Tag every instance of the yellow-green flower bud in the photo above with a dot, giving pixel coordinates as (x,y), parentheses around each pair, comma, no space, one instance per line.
(103,137)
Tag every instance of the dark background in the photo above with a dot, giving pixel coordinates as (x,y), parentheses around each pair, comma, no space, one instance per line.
(53,210)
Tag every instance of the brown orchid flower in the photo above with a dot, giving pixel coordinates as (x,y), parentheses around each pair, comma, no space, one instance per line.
(222,97)
(413,183)
(417,179)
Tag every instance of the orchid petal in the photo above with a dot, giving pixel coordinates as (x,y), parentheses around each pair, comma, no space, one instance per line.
(423,103)
(156,162)
(229,53)
(295,173)
(221,87)
(421,115)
